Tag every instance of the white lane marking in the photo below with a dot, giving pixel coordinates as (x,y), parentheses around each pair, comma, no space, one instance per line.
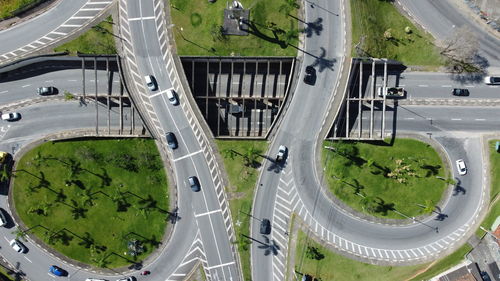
(28,259)
(188,155)
(480,119)
(456,119)
(410,118)
(208,213)
(49,81)
(423,85)
(24,86)
(220,265)
(446,86)
(3,92)
(6,239)
(72,80)
(141,18)
(70,25)
(467,86)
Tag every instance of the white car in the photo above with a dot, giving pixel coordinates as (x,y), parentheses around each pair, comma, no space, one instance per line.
(17,246)
(172,96)
(151,82)
(462,169)
(131,278)
(11,116)
(492,80)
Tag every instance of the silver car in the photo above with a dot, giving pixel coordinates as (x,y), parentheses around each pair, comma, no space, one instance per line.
(17,246)
(462,169)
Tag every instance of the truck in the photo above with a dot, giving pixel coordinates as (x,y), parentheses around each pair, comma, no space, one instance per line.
(391,92)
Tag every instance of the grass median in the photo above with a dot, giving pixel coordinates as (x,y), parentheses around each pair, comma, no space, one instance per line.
(397,181)
(199,28)
(9,7)
(314,259)
(494,210)
(99,39)
(241,162)
(101,202)
(382,32)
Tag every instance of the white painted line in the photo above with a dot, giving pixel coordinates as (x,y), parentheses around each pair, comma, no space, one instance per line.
(90,9)
(409,118)
(188,155)
(82,18)
(220,265)
(456,119)
(141,18)
(446,86)
(71,25)
(423,86)
(3,92)
(208,213)
(480,119)
(24,86)
(28,259)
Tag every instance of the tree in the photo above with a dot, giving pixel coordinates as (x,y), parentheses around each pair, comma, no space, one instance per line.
(461,48)
(5,175)
(429,206)
(20,233)
(288,6)
(229,153)
(87,198)
(369,204)
(314,253)
(251,155)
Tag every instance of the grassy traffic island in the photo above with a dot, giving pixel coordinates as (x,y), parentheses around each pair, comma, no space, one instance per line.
(101,202)
(398,181)
(273,28)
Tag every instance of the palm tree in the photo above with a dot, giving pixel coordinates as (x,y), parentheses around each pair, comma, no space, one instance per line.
(20,233)
(87,197)
(5,175)
(229,153)
(368,202)
(251,155)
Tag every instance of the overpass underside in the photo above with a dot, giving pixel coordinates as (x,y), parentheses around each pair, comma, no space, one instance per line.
(362,112)
(239,97)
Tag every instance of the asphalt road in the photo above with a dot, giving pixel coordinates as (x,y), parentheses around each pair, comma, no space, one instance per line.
(188,159)
(440,18)
(298,132)
(52,26)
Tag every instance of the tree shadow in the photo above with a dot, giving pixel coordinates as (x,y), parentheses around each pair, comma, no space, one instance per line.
(383,207)
(459,189)
(431,170)
(254,30)
(322,62)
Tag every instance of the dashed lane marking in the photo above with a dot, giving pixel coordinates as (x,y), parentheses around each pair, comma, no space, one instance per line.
(208,213)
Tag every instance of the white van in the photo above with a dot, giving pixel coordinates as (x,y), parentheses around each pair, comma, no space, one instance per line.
(172,96)
(151,82)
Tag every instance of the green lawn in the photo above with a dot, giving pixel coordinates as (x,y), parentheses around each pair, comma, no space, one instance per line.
(495,188)
(372,18)
(7,7)
(335,267)
(87,199)
(376,177)
(97,40)
(198,24)
(242,180)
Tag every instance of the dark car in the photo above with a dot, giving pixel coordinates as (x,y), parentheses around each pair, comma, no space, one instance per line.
(485,276)
(57,271)
(265,226)
(194,183)
(171,140)
(310,77)
(44,91)
(460,92)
